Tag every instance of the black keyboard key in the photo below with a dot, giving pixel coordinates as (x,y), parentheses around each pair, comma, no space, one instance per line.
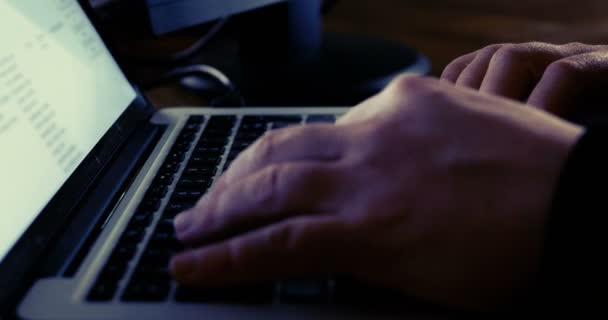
(174,208)
(107,283)
(260,294)
(240,145)
(222,121)
(176,156)
(204,161)
(285,119)
(156,254)
(165,226)
(150,204)
(234,154)
(164,179)
(196,119)
(212,142)
(202,151)
(282,125)
(192,126)
(157,192)
(172,247)
(165,243)
(321,118)
(140,220)
(187,196)
(170,168)
(193,184)
(200,172)
(114,271)
(133,236)
(253,127)
(305,291)
(187,136)
(124,251)
(217,133)
(147,290)
(183,146)
(150,270)
(249,136)
(102,291)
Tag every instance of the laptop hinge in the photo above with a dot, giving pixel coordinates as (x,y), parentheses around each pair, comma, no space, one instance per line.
(70,249)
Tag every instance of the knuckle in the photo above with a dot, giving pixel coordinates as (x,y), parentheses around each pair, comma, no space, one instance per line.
(457,64)
(512,54)
(452,70)
(206,215)
(266,146)
(490,50)
(405,84)
(269,190)
(566,68)
(429,96)
(575,47)
(536,45)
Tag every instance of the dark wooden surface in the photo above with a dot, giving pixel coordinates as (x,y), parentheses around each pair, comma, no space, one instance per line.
(446,29)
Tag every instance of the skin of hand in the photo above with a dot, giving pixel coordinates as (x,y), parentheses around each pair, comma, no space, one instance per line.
(437,191)
(569,80)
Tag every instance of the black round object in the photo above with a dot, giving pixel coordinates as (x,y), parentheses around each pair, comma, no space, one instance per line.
(349,69)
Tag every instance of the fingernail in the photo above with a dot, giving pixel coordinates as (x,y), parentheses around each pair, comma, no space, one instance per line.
(182,265)
(182,222)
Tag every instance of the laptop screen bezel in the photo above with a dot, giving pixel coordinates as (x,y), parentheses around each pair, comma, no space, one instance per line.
(16,269)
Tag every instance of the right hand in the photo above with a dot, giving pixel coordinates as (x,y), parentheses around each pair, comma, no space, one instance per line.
(425,188)
(562,79)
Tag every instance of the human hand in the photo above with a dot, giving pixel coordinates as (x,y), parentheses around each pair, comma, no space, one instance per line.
(563,79)
(430,189)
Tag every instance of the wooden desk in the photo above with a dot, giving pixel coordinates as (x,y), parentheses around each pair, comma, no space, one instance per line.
(446,29)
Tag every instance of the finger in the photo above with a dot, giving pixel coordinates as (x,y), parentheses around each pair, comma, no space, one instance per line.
(515,70)
(273,194)
(299,246)
(472,76)
(318,142)
(567,80)
(453,70)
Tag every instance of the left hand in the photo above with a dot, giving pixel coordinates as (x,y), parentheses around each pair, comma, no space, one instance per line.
(430,189)
(569,80)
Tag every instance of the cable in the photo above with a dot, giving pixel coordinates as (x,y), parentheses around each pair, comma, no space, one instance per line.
(215,83)
(183,54)
(212,82)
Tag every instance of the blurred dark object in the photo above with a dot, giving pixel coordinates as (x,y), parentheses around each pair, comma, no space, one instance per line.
(328,5)
(168,16)
(286,58)
(283,57)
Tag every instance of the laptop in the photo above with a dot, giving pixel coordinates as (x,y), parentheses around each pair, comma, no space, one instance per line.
(92,176)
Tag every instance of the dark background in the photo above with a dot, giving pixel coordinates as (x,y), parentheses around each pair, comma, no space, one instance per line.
(441,29)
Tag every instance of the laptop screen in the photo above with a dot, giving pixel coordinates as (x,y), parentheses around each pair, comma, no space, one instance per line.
(60,92)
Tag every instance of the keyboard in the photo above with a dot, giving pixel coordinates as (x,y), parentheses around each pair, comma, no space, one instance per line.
(137,270)
(206,146)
